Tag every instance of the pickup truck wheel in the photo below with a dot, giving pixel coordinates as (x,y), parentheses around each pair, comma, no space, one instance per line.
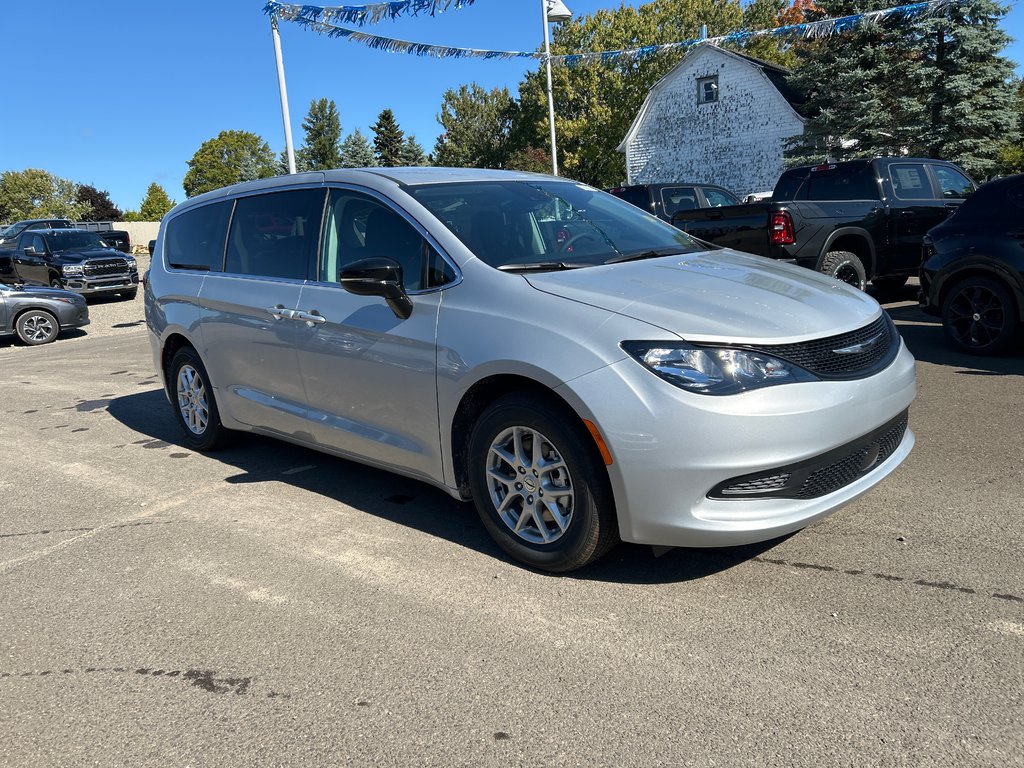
(539,485)
(980,317)
(194,404)
(37,327)
(56,283)
(845,266)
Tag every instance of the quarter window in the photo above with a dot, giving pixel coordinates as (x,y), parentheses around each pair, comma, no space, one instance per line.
(195,239)
(910,182)
(275,235)
(954,185)
(679,199)
(717,198)
(707,90)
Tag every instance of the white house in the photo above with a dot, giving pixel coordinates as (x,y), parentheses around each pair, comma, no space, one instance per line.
(717,117)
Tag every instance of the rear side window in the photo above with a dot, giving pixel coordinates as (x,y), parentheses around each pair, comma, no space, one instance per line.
(276,234)
(842,183)
(195,239)
(638,196)
(789,184)
(677,199)
(719,197)
(954,185)
(910,182)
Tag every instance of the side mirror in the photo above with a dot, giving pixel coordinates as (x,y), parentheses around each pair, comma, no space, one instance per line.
(151,247)
(30,251)
(378,277)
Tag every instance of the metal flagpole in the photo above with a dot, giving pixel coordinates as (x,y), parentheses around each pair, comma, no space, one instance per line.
(289,148)
(551,98)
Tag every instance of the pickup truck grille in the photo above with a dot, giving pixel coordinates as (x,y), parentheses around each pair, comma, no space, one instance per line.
(852,355)
(101,267)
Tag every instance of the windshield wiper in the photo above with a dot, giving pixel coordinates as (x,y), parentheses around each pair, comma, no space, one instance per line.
(540,266)
(650,253)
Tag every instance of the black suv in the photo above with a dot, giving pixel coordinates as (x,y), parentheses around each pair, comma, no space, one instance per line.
(666,200)
(972,271)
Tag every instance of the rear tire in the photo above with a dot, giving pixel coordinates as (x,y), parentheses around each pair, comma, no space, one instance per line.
(846,267)
(539,485)
(37,326)
(195,407)
(980,316)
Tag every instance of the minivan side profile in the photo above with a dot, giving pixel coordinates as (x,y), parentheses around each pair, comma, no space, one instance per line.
(582,371)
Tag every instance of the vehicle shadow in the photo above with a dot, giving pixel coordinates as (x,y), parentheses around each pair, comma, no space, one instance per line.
(927,341)
(255,459)
(11,340)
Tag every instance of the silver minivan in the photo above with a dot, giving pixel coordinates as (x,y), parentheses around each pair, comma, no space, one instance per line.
(581,370)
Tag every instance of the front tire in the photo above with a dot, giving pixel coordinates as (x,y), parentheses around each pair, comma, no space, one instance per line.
(539,485)
(846,267)
(37,326)
(980,316)
(195,407)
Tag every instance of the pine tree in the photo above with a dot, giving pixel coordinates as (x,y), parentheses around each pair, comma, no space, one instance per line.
(356,151)
(412,153)
(156,204)
(321,150)
(387,140)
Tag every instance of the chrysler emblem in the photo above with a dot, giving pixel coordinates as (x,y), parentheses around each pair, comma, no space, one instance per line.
(856,349)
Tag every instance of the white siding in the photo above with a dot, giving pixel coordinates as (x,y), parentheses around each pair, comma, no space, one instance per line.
(736,142)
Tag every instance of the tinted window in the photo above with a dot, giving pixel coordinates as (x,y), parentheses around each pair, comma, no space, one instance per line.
(360,227)
(789,184)
(842,183)
(195,239)
(910,182)
(70,241)
(526,222)
(679,199)
(954,185)
(719,197)
(275,235)
(638,196)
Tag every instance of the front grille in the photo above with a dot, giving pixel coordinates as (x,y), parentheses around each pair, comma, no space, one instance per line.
(821,475)
(101,267)
(845,356)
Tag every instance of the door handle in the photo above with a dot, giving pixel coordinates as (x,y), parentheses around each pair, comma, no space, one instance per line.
(278,312)
(311,318)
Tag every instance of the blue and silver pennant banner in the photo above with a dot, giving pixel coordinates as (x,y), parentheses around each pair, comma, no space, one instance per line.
(315,18)
(368,13)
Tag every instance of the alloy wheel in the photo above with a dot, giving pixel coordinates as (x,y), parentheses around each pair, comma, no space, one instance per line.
(192,402)
(976,316)
(38,328)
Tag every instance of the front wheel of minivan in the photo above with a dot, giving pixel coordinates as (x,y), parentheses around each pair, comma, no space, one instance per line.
(539,485)
(193,401)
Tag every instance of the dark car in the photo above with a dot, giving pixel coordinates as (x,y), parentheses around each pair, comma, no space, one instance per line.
(9,234)
(972,270)
(38,314)
(666,200)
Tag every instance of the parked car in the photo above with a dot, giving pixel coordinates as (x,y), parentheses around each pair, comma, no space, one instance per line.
(37,315)
(972,270)
(856,221)
(665,200)
(70,258)
(629,382)
(9,234)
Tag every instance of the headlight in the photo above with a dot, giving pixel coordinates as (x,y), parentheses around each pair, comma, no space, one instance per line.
(74,270)
(62,299)
(131,261)
(714,370)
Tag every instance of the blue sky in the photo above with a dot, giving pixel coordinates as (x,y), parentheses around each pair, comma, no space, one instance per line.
(123,92)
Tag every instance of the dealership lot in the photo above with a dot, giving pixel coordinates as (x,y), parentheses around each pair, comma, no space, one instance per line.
(273,606)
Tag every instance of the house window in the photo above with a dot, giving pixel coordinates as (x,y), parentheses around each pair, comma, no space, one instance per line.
(707,90)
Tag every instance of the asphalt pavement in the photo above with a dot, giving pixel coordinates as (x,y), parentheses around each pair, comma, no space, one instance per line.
(272,606)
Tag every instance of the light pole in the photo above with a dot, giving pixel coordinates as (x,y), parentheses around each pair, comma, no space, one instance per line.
(289,149)
(554,11)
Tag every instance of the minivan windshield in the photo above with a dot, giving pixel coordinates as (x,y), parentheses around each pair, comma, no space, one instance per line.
(535,225)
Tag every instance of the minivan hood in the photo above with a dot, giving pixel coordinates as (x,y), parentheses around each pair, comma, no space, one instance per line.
(721,295)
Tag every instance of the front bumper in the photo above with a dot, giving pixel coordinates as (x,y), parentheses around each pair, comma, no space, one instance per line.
(106,284)
(673,449)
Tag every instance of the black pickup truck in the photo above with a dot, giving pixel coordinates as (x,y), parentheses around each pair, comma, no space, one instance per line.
(857,220)
(74,259)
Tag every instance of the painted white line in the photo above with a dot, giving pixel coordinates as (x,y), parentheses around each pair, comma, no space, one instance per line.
(1006,628)
(296,470)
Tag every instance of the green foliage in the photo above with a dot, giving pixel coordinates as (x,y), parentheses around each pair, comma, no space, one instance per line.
(933,87)
(231,157)
(101,207)
(321,150)
(412,154)
(388,139)
(1011,153)
(37,194)
(530,159)
(155,204)
(595,103)
(476,126)
(356,152)
(766,14)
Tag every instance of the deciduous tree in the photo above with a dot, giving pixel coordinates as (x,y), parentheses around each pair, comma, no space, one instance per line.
(101,207)
(230,157)
(476,125)
(36,194)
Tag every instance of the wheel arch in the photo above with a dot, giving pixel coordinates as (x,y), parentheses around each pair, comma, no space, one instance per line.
(854,240)
(169,349)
